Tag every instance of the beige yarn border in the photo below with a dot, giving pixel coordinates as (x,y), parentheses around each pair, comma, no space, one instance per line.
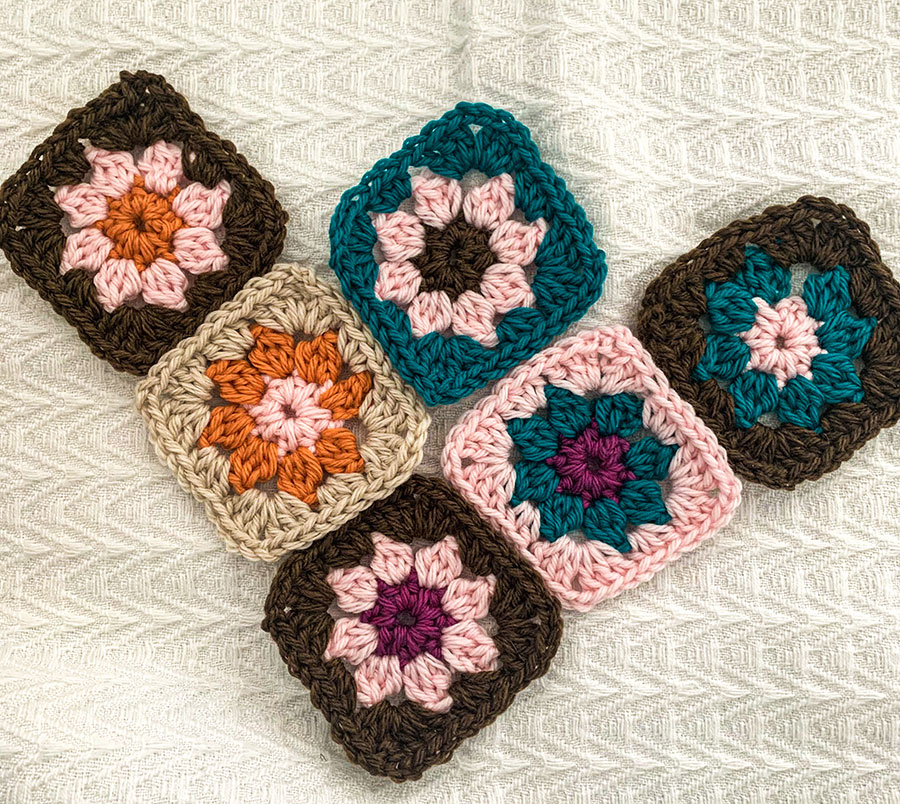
(174,401)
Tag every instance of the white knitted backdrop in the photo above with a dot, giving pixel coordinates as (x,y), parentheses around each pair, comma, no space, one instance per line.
(765,667)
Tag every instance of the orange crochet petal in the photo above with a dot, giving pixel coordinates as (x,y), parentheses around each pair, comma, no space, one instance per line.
(255,461)
(319,360)
(343,399)
(238,381)
(300,474)
(273,353)
(229,426)
(337,452)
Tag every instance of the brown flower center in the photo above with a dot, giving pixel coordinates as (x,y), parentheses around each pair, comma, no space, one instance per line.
(455,258)
(141,224)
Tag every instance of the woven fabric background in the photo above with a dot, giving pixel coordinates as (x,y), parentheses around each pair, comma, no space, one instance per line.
(765,667)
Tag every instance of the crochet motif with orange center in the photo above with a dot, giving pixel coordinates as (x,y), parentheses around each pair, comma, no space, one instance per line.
(284,413)
(141,225)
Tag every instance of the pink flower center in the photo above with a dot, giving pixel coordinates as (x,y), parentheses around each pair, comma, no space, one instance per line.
(783,339)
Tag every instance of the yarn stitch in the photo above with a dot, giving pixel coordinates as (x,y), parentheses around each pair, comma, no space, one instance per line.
(592,467)
(459,285)
(135,222)
(402,695)
(826,363)
(141,228)
(286,413)
(313,425)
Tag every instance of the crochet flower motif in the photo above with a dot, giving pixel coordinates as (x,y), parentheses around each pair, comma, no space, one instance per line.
(285,413)
(583,468)
(783,354)
(458,263)
(141,227)
(415,624)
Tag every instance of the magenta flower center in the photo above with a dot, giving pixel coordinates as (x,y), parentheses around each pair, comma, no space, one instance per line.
(591,466)
(409,619)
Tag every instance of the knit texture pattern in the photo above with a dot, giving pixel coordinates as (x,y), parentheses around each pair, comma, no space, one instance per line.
(761,667)
(450,624)
(587,461)
(253,415)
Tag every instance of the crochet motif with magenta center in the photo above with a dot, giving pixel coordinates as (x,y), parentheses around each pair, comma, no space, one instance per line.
(135,222)
(464,252)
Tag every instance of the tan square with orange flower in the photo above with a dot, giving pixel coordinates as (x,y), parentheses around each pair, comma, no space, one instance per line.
(283,415)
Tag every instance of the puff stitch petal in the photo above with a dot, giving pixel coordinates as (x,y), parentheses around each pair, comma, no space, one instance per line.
(356,588)
(197,251)
(392,560)
(377,678)
(112,172)
(160,165)
(426,680)
(83,204)
(198,205)
(490,204)
(117,282)
(438,564)
(436,198)
(86,249)
(400,235)
(466,647)
(466,599)
(352,640)
(164,283)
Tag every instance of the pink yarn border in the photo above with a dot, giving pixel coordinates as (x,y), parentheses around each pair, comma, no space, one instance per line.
(607,360)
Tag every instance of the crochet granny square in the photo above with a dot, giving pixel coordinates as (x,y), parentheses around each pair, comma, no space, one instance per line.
(413,627)
(134,221)
(783,331)
(464,252)
(282,415)
(588,462)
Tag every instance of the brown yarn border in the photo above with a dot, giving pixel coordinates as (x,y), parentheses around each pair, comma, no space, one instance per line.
(811,230)
(137,111)
(401,741)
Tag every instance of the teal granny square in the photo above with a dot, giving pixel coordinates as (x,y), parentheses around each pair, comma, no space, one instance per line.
(464,252)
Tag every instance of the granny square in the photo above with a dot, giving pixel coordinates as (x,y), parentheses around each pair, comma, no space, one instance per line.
(591,465)
(282,415)
(413,627)
(464,252)
(783,331)
(134,221)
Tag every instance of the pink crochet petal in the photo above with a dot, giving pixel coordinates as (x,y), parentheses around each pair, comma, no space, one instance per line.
(437,198)
(86,249)
(466,647)
(492,203)
(112,172)
(518,242)
(429,312)
(117,282)
(466,599)
(197,251)
(506,287)
(392,560)
(377,678)
(426,681)
(160,165)
(397,282)
(356,588)
(400,235)
(438,564)
(351,640)
(197,205)
(164,283)
(85,205)
(473,315)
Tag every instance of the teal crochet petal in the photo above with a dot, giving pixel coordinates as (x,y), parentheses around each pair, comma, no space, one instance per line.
(827,294)
(568,269)
(649,458)
(619,414)
(726,356)
(754,393)
(846,334)
(729,307)
(835,376)
(801,403)
(560,514)
(535,480)
(604,521)
(762,276)
(534,438)
(567,413)
(642,502)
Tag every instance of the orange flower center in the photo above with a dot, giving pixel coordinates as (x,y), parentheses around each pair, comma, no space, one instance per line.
(141,224)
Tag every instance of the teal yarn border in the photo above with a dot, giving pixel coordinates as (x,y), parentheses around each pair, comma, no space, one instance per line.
(570,269)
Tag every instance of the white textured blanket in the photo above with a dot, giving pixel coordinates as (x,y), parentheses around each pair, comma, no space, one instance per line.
(764,667)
